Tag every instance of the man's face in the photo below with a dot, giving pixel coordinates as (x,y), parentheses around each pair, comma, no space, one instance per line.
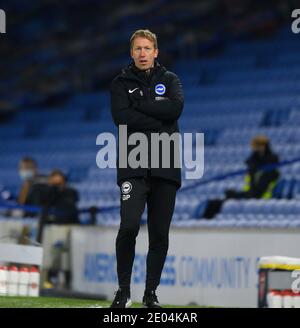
(27,170)
(261,149)
(143,53)
(56,180)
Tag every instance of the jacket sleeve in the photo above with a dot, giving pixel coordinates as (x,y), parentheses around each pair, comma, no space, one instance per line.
(124,113)
(169,108)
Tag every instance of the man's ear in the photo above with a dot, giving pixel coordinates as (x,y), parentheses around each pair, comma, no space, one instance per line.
(156,53)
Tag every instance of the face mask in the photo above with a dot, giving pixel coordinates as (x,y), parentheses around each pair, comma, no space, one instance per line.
(26,174)
(57,188)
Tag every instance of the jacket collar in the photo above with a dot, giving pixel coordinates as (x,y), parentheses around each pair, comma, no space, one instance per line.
(133,73)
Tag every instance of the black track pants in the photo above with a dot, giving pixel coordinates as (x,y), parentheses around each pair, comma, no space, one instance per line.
(159,195)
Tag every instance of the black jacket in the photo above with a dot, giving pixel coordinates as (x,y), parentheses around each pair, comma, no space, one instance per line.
(259,178)
(147,103)
(62,202)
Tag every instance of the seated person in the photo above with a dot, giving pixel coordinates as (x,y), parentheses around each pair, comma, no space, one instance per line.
(28,171)
(259,183)
(57,198)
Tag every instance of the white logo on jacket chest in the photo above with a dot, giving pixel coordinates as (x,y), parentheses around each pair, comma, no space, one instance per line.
(132,90)
(160,89)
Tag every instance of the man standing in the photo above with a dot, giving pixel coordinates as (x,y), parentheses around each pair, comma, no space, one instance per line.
(147,99)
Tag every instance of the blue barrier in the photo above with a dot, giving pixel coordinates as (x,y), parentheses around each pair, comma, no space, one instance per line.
(265,168)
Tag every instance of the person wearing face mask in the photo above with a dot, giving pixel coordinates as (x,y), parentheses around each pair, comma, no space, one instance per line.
(57,200)
(59,206)
(61,199)
(28,172)
(259,182)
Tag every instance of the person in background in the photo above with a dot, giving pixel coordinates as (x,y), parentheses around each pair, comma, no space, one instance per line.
(259,182)
(61,199)
(59,203)
(28,172)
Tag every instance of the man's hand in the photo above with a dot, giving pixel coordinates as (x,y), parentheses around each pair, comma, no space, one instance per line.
(167,108)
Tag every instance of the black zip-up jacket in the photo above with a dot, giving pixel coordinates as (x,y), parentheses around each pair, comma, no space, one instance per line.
(147,103)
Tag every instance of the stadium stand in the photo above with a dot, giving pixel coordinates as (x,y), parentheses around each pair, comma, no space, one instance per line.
(251,88)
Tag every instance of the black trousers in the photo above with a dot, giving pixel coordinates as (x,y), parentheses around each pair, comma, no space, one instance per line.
(159,195)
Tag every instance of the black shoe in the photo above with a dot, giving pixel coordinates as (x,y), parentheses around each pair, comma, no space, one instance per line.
(150,300)
(121,300)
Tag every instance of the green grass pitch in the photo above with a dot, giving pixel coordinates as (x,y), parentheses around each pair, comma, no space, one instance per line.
(51,302)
